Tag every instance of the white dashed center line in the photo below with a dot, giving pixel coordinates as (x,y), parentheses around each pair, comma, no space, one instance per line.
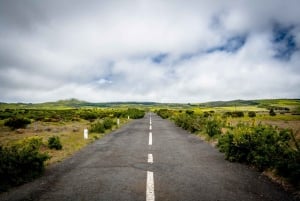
(150,187)
(150,158)
(150,178)
(150,138)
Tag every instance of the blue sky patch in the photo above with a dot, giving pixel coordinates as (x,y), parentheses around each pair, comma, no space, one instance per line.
(284,41)
(232,45)
(159,58)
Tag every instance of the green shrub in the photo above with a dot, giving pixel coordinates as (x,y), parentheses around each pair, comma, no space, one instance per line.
(213,127)
(234,114)
(189,122)
(164,113)
(88,115)
(189,112)
(108,123)
(251,114)
(17,122)
(21,162)
(97,127)
(54,143)
(264,147)
(272,112)
(206,114)
(134,113)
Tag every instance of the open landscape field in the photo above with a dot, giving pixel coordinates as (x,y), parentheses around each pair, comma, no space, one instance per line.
(235,127)
(47,134)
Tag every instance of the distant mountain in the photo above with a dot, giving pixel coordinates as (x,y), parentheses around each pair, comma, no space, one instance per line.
(75,103)
(68,102)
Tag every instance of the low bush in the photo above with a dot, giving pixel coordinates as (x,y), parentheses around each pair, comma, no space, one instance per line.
(54,143)
(234,114)
(21,162)
(251,114)
(97,127)
(17,122)
(213,127)
(264,147)
(108,123)
(192,123)
(134,113)
(164,113)
(189,112)
(272,112)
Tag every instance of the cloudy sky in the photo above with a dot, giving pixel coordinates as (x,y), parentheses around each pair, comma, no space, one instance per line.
(149,50)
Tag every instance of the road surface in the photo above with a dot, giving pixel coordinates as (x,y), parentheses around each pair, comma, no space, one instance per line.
(149,160)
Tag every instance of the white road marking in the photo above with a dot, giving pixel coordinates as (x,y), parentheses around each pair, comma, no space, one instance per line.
(150,138)
(150,187)
(150,128)
(150,158)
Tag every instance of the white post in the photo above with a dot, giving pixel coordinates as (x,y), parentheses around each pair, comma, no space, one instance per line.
(118,122)
(85,133)
(128,116)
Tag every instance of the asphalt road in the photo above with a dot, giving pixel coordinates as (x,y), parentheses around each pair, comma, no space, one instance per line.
(126,165)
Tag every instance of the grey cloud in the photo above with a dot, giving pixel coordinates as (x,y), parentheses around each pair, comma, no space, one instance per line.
(139,50)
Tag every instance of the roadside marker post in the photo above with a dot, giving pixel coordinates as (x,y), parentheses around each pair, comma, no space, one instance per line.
(118,122)
(85,134)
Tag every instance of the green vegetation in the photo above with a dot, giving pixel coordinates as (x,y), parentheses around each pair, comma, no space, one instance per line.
(213,127)
(21,162)
(54,143)
(17,122)
(251,114)
(248,139)
(58,126)
(164,113)
(134,113)
(101,125)
(234,125)
(272,113)
(264,147)
(188,122)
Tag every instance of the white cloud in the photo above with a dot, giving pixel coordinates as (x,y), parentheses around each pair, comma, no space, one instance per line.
(103,51)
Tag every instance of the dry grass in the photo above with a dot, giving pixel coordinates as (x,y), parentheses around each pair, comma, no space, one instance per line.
(70,133)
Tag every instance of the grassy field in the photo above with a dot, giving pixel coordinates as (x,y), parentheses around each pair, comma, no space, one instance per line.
(47,120)
(70,134)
